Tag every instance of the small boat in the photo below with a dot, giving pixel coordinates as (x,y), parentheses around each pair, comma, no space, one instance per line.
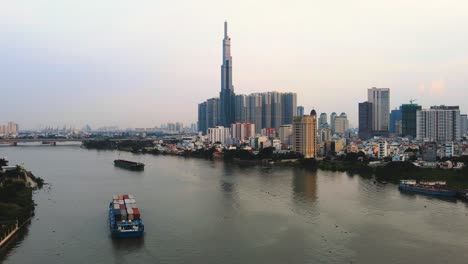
(437,188)
(130,165)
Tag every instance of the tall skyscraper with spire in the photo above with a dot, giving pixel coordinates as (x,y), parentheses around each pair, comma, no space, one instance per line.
(226,96)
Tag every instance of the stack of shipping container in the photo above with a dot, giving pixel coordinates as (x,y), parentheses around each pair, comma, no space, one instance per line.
(125,208)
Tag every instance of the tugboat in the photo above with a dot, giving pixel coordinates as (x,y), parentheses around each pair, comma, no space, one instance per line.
(124,217)
(129,165)
(437,188)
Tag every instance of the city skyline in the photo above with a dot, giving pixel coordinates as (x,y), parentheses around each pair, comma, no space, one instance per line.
(119,67)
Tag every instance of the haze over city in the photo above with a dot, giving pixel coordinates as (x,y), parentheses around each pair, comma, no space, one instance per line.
(140,65)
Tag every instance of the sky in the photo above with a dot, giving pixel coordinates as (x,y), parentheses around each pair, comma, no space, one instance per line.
(145,62)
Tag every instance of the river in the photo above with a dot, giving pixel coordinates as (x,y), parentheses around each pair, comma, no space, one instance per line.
(200,211)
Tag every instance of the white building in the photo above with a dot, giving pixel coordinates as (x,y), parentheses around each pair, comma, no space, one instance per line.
(439,123)
(380,99)
(219,134)
(383,149)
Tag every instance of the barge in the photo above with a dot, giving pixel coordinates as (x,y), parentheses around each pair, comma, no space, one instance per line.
(124,217)
(437,188)
(129,165)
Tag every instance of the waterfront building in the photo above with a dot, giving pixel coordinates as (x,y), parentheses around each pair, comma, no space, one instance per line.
(289,105)
(395,116)
(365,120)
(240,108)
(212,112)
(332,122)
(227,104)
(341,124)
(285,134)
(463,124)
(408,120)
(383,149)
(439,123)
(380,99)
(300,111)
(242,131)
(305,135)
(219,134)
(429,151)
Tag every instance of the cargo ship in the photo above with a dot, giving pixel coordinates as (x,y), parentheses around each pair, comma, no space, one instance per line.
(437,188)
(130,165)
(124,217)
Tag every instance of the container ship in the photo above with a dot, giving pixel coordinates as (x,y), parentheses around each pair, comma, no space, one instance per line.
(437,188)
(130,165)
(124,217)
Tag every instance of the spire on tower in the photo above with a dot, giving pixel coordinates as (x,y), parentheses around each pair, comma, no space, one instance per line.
(225,29)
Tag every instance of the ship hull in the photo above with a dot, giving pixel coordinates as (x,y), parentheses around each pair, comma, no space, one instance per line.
(445,193)
(129,165)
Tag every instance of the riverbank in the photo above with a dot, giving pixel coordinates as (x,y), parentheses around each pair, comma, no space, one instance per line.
(16,201)
(390,172)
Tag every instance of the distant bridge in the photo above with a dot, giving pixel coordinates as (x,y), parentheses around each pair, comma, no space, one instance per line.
(49,141)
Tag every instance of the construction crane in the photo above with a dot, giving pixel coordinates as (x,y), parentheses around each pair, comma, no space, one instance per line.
(412,100)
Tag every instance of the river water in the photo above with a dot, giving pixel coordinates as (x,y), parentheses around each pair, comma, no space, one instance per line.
(199,211)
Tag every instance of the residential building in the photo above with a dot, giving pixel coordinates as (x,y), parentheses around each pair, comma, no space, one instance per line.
(439,123)
(463,125)
(240,108)
(254,111)
(285,134)
(212,112)
(341,124)
(242,131)
(383,149)
(219,134)
(332,122)
(289,105)
(305,135)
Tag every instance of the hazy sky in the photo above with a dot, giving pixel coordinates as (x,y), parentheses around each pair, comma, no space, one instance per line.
(143,63)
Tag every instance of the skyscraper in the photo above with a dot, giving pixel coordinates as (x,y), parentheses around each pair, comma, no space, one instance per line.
(266,110)
(408,119)
(395,117)
(276,110)
(254,111)
(365,120)
(212,112)
(439,123)
(380,99)
(240,108)
(202,117)
(463,124)
(323,120)
(305,135)
(289,104)
(300,111)
(332,122)
(341,124)
(226,96)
